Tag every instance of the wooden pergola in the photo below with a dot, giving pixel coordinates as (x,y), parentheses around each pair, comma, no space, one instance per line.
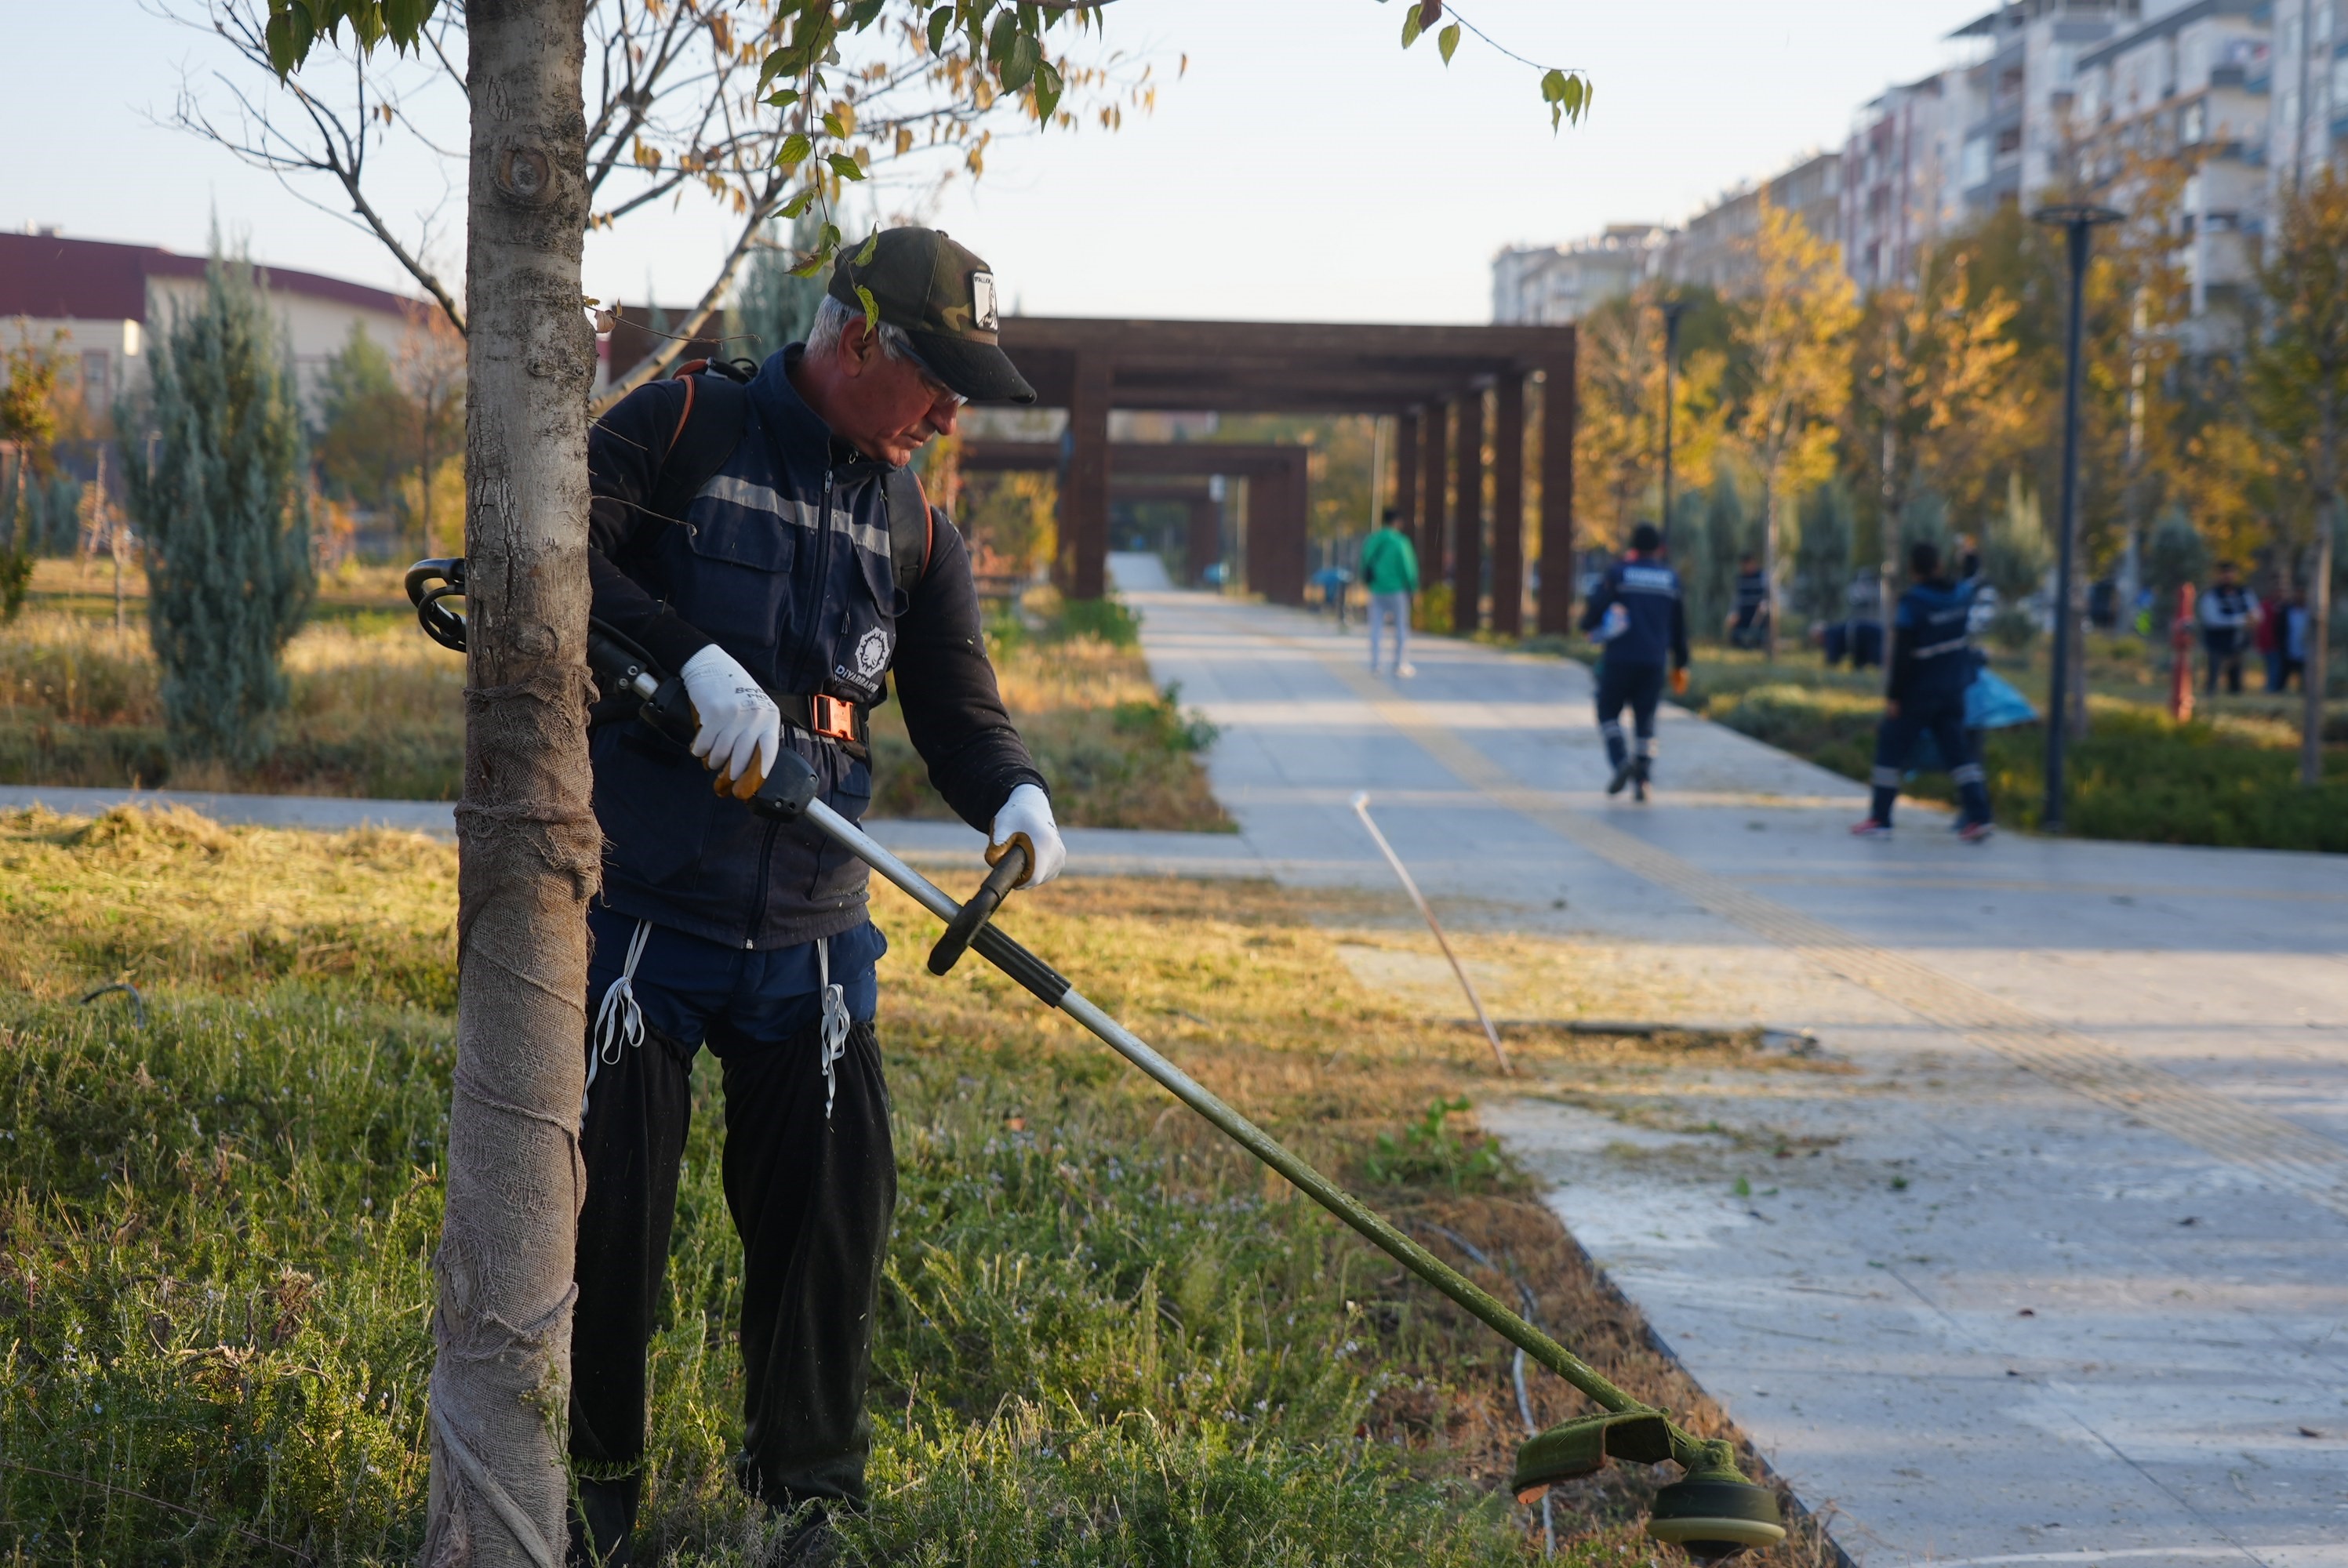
(1438,383)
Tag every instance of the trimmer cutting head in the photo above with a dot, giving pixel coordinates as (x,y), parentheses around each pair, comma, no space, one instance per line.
(1711,1511)
(1715,1513)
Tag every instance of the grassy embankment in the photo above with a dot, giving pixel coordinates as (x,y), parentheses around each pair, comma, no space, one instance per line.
(2230,776)
(1105,1338)
(377,709)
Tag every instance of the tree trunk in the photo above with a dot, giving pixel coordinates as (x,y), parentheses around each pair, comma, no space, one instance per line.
(1889,544)
(1769,568)
(528,845)
(2319,647)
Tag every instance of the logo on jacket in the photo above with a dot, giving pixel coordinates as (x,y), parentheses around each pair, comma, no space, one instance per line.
(873,653)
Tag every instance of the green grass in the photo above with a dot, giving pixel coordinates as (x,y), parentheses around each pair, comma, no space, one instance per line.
(1105,1338)
(2229,777)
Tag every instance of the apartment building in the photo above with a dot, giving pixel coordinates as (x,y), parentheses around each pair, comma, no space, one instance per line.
(1899,177)
(1714,248)
(2019,95)
(1560,283)
(2189,82)
(2309,90)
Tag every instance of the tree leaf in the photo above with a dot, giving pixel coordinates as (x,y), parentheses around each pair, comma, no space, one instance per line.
(795,149)
(1017,68)
(1410,28)
(783,99)
(871,307)
(800,203)
(861,14)
(831,123)
(1448,41)
(940,20)
(1048,89)
(869,248)
(844,165)
(999,36)
(1553,86)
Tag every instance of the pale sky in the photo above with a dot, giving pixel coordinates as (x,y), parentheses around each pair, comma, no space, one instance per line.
(1304,167)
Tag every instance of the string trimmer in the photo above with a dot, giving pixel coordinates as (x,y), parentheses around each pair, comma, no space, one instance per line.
(1712,1510)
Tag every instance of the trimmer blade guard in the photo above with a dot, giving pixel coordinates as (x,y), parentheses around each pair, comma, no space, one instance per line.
(1581,1447)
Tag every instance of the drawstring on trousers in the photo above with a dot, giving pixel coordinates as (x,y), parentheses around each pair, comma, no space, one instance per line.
(834,1030)
(619,1020)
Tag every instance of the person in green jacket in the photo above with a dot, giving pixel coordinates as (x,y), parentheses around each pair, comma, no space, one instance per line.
(1390,571)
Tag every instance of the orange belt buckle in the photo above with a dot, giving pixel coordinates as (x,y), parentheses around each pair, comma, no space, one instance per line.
(832,717)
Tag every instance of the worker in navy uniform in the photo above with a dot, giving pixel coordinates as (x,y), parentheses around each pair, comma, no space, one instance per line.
(783,586)
(1637,616)
(1932,662)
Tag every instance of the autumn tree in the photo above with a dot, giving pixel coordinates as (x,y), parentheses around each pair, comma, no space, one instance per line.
(1794,334)
(28,434)
(1618,432)
(1940,399)
(2301,371)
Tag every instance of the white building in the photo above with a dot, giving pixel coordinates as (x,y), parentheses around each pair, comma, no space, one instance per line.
(102,306)
(1558,283)
(1900,179)
(2309,91)
(2189,82)
(2019,96)
(1714,248)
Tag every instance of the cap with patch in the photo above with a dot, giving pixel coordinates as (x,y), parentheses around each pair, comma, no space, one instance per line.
(944,298)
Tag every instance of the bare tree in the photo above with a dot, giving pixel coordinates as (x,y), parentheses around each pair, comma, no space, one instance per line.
(682,101)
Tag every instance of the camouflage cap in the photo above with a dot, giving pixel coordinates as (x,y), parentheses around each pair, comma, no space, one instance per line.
(944,298)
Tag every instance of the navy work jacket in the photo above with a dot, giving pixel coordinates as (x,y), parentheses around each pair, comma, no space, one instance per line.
(1932,643)
(783,560)
(1649,593)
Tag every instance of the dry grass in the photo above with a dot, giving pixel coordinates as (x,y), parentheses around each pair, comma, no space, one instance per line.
(1069,1204)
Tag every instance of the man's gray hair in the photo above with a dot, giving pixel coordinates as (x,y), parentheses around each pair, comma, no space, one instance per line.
(833,318)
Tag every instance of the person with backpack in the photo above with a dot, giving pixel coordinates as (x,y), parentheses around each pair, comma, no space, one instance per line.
(1637,616)
(1390,573)
(1932,666)
(760,536)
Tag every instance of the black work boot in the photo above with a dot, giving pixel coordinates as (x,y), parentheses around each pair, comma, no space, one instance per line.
(1622,771)
(1638,781)
(808,1540)
(604,1523)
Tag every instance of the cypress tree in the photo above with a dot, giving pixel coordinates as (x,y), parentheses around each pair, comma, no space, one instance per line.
(222,518)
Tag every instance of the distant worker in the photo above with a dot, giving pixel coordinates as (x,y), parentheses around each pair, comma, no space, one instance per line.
(1390,573)
(1637,614)
(1748,623)
(2228,610)
(1932,664)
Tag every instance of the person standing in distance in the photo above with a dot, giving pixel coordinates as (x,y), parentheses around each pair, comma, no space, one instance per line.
(2227,612)
(1637,614)
(1390,573)
(767,542)
(1932,664)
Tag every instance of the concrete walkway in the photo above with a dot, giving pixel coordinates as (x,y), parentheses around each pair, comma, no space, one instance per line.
(2056,1270)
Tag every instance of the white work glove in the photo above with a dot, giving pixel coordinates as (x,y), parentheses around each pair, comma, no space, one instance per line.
(741,728)
(1027,817)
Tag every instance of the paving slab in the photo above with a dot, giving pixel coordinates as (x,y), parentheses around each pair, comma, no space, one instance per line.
(2066,1278)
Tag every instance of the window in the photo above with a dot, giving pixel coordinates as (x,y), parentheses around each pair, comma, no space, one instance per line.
(95,387)
(2193,124)
(1973,166)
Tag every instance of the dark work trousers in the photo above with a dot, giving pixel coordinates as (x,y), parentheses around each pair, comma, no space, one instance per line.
(811,1196)
(1640,686)
(2223,644)
(1944,721)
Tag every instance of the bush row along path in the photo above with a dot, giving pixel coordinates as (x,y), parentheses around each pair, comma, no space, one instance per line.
(2055,1275)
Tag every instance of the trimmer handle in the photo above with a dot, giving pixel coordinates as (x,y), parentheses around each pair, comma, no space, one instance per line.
(974,916)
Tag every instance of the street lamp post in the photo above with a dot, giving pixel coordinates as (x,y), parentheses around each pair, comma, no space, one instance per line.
(2078,219)
(1672,312)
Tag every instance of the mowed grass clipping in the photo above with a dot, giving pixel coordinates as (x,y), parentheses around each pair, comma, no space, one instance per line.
(1106,1336)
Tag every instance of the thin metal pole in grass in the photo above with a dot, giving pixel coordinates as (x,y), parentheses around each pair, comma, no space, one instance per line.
(1499,1053)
